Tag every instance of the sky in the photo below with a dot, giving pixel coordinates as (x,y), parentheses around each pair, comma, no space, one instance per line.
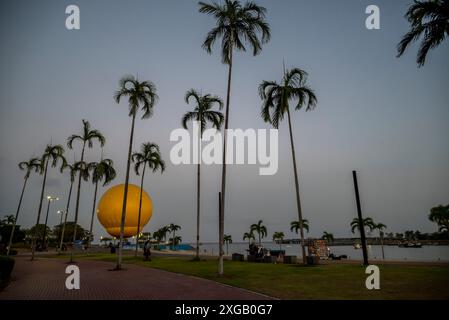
(376,113)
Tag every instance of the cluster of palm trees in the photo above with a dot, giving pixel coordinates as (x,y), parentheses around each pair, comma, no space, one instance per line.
(262,231)
(160,235)
(369,224)
(53,157)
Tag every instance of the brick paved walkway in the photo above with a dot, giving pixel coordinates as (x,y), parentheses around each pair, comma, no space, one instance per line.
(45,279)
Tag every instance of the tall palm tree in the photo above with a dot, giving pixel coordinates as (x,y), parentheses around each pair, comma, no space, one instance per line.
(29,166)
(440,215)
(53,154)
(173,228)
(139,94)
(236,24)
(367,223)
(149,155)
(249,236)
(203,114)
(381,227)
(278,236)
(276,98)
(260,229)
(88,136)
(72,173)
(429,19)
(329,237)
(103,170)
(227,240)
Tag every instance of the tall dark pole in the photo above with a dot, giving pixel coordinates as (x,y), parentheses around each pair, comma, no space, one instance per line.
(359,213)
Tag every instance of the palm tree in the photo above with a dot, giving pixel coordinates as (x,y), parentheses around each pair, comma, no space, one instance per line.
(278,236)
(55,154)
(158,236)
(367,223)
(236,24)
(329,237)
(203,114)
(440,215)
(295,226)
(227,240)
(163,231)
(29,166)
(429,19)
(88,136)
(72,173)
(173,228)
(248,236)
(103,170)
(151,156)
(260,229)
(139,94)
(175,240)
(380,226)
(276,99)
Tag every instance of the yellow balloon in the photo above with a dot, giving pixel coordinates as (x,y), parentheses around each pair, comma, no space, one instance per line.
(109,210)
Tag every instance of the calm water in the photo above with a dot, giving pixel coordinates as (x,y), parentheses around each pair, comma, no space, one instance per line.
(426,253)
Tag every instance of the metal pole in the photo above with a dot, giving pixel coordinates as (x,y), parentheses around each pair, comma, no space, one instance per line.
(359,213)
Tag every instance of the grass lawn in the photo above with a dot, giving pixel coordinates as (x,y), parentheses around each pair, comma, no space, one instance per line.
(331,281)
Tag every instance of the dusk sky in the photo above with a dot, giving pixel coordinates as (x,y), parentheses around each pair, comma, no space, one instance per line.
(377,114)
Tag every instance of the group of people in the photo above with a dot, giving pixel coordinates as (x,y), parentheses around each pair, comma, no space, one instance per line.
(258,251)
(146,249)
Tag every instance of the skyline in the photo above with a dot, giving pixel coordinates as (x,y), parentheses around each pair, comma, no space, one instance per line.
(373,113)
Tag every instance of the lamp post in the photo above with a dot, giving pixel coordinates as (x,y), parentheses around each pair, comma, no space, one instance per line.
(50,199)
(63,228)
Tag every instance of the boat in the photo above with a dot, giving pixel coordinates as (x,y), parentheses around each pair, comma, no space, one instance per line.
(357,245)
(410,245)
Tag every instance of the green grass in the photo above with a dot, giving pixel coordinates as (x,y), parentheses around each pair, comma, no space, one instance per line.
(331,281)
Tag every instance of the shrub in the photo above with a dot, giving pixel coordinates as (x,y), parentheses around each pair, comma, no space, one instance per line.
(6,266)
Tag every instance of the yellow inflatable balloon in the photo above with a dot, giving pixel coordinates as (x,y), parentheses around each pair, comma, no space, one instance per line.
(109,211)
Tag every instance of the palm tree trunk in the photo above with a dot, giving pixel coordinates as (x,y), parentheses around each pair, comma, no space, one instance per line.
(173,240)
(45,226)
(198,197)
(223,174)
(77,204)
(93,214)
(17,215)
(33,248)
(125,195)
(140,208)
(382,244)
(66,213)
(298,200)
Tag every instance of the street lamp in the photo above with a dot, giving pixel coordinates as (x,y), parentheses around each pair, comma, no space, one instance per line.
(50,199)
(63,228)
